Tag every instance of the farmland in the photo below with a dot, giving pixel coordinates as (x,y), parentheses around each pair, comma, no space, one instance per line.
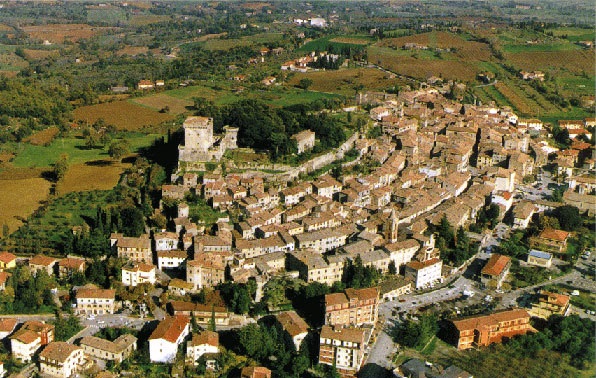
(58,33)
(43,137)
(92,175)
(20,197)
(321,44)
(345,82)
(161,100)
(125,115)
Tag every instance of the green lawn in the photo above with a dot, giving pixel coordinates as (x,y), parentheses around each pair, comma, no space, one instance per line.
(554,46)
(574,34)
(321,44)
(107,15)
(41,156)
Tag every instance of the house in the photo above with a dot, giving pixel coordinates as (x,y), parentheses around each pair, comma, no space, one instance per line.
(323,240)
(61,359)
(484,330)
(179,287)
(134,249)
(305,140)
(95,301)
(200,344)
(202,313)
(352,307)
(539,258)
(171,259)
(379,112)
(165,241)
(139,273)
(312,267)
(326,186)
(522,214)
(294,326)
(41,262)
(550,304)
(29,338)
(551,240)
(117,350)
(255,372)
(7,260)
(165,339)
(395,287)
(7,326)
(424,273)
(70,265)
(145,85)
(495,270)
(342,348)
(207,269)
(4,276)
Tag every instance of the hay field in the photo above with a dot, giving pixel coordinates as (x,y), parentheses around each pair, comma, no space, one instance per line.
(94,175)
(575,61)
(160,100)
(57,33)
(345,81)
(20,198)
(43,137)
(124,115)
(39,54)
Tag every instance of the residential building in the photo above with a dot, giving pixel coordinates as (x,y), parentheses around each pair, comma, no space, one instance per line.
(61,359)
(25,342)
(117,350)
(41,262)
(294,326)
(522,214)
(207,269)
(202,313)
(7,260)
(494,272)
(549,303)
(255,372)
(551,240)
(95,301)
(424,273)
(165,339)
(171,259)
(200,344)
(134,249)
(539,258)
(305,140)
(139,273)
(312,267)
(484,330)
(394,288)
(4,276)
(70,265)
(7,326)
(165,241)
(323,240)
(352,307)
(342,348)
(179,287)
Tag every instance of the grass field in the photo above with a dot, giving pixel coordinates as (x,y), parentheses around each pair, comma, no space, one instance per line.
(123,114)
(146,19)
(110,15)
(20,198)
(160,100)
(321,44)
(94,175)
(574,34)
(40,156)
(39,54)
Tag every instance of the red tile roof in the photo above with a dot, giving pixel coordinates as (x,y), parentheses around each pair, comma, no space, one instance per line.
(42,260)
(479,322)
(8,324)
(96,293)
(206,338)
(553,234)
(7,257)
(255,372)
(496,264)
(170,328)
(292,323)
(58,351)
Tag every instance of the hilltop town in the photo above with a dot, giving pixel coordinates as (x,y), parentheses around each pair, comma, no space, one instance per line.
(236,222)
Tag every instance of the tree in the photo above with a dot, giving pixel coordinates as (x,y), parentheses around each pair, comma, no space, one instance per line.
(568,217)
(392,268)
(305,83)
(61,167)
(119,148)
(212,326)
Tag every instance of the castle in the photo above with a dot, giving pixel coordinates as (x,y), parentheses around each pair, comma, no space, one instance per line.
(201,146)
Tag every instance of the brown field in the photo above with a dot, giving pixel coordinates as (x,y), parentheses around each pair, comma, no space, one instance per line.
(353,41)
(133,50)
(160,100)
(6,157)
(113,97)
(345,81)
(96,175)
(9,73)
(57,33)
(514,99)
(20,197)
(5,28)
(123,114)
(577,61)
(146,19)
(39,54)
(43,137)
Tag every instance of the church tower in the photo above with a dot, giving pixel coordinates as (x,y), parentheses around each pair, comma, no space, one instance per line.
(392,227)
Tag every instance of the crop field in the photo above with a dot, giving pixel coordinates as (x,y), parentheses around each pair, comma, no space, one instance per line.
(132,50)
(218,43)
(519,103)
(20,197)
(574,34)
(110,15)
(39,54)
(352,40)
(58,33)
(74,147)
(160,100)
(43,137)
(345,82)
(321,44)
(146,19)
(124,115)
(93,175)
(577,61)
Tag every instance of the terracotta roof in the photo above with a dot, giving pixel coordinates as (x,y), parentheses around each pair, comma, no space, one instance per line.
(496,264)
(363,294)
(37,326)
(8,324)
(42,260)
(335,299)
(488,320)
(206,338)
(96,293)
(72,263)
(25,336)
(255,372)
(175,253)
(424,264)
(140,267)
(170,328)
(4,277)
(558,299)
(116,346)
(355,335)
(58,351)
(553,234)
(7,257)
(292,323)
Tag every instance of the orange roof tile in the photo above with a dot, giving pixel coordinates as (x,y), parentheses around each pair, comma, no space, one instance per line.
(496,264)
(206,338)
(170,328)
(42,260)
(292,323)
(8,324)
(478,322)
(7,257)
(25,336)
(553,234)
(96,293)
(58,351)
